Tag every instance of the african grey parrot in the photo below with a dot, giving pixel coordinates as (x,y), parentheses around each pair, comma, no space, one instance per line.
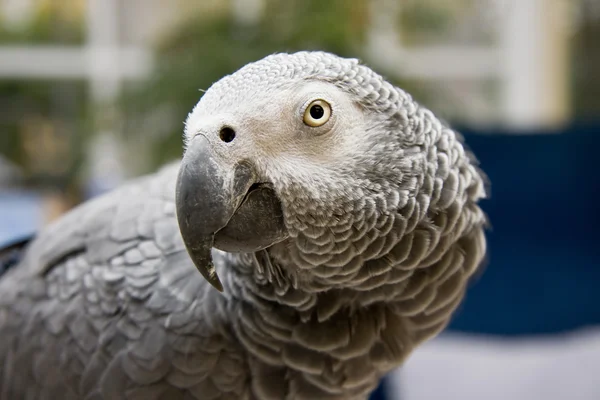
(336,219)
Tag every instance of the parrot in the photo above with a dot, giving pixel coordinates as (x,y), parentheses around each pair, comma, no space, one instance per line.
(320,225)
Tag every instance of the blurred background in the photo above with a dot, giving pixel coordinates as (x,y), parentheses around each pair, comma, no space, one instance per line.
(93,92)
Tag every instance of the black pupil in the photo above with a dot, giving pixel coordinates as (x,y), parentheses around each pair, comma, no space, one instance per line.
(317,111)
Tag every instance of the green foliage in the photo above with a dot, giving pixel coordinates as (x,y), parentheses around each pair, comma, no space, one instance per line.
(47,25)
(420,19)
(41,121)
(42,127)
(205,48)
(585,66)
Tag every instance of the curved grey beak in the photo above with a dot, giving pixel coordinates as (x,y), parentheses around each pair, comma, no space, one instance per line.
(208,193)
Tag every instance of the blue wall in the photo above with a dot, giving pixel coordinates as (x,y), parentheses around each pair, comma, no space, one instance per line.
(20,214)
(543,274)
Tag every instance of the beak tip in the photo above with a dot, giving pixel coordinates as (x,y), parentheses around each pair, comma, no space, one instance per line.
(216,283)
(210,274)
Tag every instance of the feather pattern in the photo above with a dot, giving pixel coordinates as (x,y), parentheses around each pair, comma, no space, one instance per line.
(384,233)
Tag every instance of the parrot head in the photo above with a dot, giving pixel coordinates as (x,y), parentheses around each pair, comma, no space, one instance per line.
(318,158)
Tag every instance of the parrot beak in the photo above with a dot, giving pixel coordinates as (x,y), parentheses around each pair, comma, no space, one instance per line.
(220,204)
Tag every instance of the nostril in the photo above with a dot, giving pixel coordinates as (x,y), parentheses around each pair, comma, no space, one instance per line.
(227,134)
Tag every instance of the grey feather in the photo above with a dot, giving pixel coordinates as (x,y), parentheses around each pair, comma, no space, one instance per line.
(383,232)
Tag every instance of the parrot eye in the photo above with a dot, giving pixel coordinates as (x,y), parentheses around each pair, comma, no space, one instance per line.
(317,113)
